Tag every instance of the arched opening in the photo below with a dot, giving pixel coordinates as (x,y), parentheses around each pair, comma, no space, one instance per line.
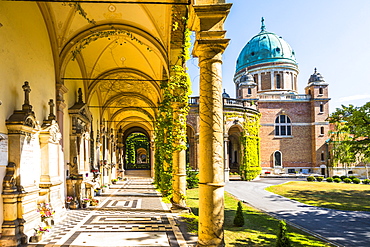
(191,148)
(278,159)
(137,151)
(278,81)
(234,148)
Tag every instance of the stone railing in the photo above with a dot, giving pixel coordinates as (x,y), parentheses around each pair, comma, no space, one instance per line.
(193,101)
(284,97)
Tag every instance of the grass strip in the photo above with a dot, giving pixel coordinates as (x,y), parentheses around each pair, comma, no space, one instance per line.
(340,196)
(259,230)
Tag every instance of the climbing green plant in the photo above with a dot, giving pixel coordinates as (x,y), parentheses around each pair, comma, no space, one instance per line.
(78,8)
(170,127)
(82,43)
(133,143)
(250,166)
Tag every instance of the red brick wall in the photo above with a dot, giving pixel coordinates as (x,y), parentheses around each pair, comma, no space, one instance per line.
(296,150)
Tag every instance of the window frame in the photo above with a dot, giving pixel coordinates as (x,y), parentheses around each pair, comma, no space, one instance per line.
(283,126)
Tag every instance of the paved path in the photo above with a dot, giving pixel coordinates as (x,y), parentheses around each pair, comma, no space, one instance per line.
(131,213)
(346,228)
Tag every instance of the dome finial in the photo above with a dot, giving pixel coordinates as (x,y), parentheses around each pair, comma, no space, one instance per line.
(263,27)
(315,71)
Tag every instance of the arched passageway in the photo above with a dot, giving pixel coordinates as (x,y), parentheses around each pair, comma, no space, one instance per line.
(137,151)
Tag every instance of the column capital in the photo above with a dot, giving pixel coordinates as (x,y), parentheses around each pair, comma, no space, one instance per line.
(210,47)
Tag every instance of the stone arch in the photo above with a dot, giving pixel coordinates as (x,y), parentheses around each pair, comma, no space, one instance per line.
(234,148)
(148,149)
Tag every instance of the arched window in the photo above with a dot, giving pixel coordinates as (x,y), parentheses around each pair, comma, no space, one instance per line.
(249,91)
(322,131)
(321,108)
(283,126)
(278,81)
(278,159)
(322,156)
(321,91)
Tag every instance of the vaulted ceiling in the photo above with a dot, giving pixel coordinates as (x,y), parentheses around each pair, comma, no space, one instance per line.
(118,52)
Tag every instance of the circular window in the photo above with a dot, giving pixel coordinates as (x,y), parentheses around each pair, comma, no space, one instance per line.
(252,53)
(278,49)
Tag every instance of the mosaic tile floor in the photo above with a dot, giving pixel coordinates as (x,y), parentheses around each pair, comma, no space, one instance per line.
(130,213)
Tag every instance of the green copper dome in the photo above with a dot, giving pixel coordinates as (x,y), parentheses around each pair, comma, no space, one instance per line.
(265,47)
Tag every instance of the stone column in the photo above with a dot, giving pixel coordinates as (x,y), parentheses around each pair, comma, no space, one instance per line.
(60,106)
(273,85)
(259,82)
(209,45)
(179,176)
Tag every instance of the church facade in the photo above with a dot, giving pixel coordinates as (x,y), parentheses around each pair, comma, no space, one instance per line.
(293,126)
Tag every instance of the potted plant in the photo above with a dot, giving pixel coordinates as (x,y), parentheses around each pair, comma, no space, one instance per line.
(39,231)
(85,202)
(98,191)
(94,202)
(114,181)
(69,199)
(104,188)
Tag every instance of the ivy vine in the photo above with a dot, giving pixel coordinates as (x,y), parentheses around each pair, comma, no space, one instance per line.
(80,10)
(81,44)
(170,129)
(250,166)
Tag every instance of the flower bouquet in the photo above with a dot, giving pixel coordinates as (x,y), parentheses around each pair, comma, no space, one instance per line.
(39,231)
(46,211)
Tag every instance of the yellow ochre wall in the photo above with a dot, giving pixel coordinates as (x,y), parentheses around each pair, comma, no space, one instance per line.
(25,55)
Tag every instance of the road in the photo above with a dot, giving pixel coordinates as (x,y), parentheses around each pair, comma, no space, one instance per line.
(345,228)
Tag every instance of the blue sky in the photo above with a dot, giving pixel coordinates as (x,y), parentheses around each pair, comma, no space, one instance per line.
(331,35)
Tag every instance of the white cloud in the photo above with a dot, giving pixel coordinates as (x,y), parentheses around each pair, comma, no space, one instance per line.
(354,97)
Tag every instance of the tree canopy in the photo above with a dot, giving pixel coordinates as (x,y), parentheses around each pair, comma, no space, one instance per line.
(350,137)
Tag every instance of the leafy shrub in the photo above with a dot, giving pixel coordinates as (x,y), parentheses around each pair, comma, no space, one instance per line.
(336,176)
(352,177)
(310,178)
(239,218)
(337,180)
(282,237)
(366,181)
(347,180)
(192,179)
(343,177)
(356,181)
(319,179)
(329,179)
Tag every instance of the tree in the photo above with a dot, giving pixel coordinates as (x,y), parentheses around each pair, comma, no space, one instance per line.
(350,139)
(239,218)
(282,238)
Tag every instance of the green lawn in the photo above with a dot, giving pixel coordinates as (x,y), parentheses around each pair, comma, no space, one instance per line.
(340,196)
(260,229)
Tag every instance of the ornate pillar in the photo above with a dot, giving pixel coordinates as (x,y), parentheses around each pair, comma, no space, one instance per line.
(209,46)
(60,106)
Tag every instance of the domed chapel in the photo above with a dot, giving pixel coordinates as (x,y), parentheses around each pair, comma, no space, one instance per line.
(292,126)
